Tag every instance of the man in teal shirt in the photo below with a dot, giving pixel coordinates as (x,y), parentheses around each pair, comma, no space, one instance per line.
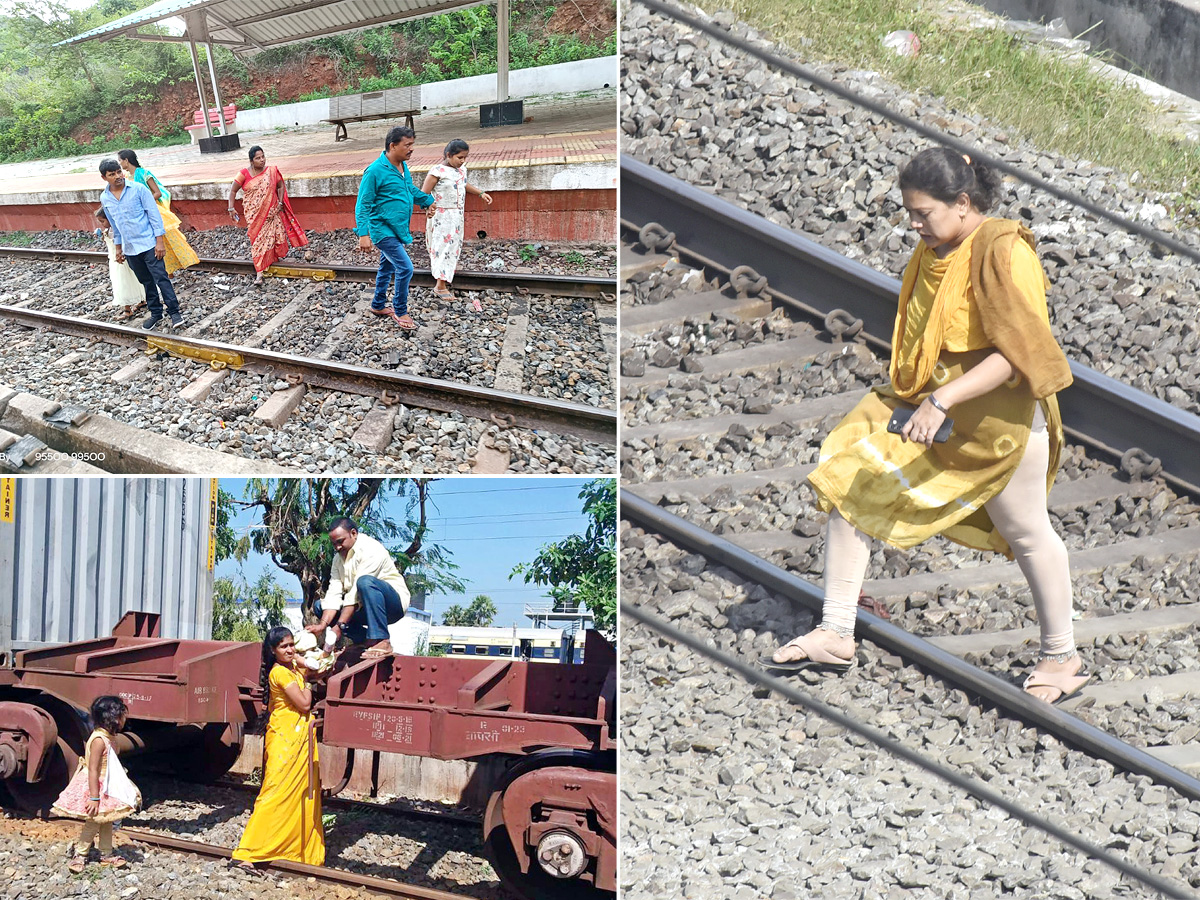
(381,216)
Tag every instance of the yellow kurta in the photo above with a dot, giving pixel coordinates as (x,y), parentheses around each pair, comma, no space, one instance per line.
(900,491)
(286,821)
(179,253)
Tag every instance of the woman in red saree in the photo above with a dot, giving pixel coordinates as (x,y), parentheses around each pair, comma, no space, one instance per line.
(270,222)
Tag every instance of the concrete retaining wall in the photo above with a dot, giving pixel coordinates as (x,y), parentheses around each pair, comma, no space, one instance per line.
(1159,39)
(555,202)
(442,96)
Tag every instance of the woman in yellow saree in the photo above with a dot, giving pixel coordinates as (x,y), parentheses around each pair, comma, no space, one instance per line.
(972,336)
(270,223)
(286,821)
(179,253)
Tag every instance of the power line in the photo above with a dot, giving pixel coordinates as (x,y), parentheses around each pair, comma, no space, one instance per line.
(555,487)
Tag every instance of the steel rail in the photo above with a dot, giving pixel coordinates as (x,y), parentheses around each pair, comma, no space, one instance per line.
(502,407)
(1100,410)
(295,869)
(886,742)
(1005,696)
(778,62)
(584,286)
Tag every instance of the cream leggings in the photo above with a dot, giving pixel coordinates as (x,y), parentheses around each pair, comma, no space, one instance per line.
(1019,514)
(91,830)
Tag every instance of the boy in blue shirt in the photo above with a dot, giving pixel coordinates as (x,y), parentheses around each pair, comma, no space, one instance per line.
(137,232)
(385,206)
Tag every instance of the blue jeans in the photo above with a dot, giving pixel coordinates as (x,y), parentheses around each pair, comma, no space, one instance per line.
(378,607)
(393,263)
(152,274)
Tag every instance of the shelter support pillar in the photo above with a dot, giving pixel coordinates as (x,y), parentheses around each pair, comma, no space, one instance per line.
(193,22)
(501,50)
(212,73)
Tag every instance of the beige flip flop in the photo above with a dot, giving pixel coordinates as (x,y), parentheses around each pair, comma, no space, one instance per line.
(1066,685)
(815,657)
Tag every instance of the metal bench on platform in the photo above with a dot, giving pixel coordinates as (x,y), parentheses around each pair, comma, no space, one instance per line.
(389,104)
(197,129)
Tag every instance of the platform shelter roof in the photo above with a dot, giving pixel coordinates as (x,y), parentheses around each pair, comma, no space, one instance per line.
(249,26)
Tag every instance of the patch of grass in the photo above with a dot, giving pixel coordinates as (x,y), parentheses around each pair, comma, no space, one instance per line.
(1057,103)
(530,252)
(16,239)
(575,258)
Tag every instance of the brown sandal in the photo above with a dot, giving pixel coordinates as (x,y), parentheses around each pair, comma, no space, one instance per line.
(116,862)
(77,865)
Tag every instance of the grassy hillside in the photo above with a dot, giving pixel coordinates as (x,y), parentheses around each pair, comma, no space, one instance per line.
(95,96)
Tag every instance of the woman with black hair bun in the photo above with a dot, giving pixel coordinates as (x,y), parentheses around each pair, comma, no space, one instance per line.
(271,224)
(286,821)
(971,342)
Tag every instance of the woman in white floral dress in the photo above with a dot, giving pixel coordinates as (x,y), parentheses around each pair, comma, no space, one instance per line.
(447,182)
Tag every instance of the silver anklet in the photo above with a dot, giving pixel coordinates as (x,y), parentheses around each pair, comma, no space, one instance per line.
(1058,657)
(839,630)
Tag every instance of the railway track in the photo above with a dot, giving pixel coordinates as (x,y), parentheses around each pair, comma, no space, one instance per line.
(257,373)
(731,381)
(386,887)
(562,286)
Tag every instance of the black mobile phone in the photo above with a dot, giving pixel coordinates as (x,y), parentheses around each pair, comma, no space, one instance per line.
(902,414)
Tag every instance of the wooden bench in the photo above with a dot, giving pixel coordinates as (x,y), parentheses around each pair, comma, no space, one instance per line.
(389,104)
(197,129)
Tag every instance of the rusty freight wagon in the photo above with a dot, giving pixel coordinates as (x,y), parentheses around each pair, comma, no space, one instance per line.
(550,823)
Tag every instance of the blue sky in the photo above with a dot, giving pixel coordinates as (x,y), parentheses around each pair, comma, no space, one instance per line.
(487,524)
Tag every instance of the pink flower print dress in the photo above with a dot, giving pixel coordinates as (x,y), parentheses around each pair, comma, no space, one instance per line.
(444,223)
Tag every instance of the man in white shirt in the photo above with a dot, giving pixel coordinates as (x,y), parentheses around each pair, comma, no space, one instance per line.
(366,592)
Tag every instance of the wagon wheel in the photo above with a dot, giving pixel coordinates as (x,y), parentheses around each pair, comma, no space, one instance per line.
(213,756)
(534,884)
(39,796)
(537,884)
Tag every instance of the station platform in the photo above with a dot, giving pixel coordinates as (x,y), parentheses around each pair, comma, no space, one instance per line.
(553,177)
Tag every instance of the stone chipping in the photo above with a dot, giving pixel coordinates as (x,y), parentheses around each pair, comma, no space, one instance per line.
(34,854)
(728,791)
(777,147)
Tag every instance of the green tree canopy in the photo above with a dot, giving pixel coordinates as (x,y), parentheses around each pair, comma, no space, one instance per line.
(582,568)
(245,612)
(296,513)
(481,613)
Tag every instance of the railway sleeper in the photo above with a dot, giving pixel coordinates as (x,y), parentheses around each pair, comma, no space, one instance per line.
(798,415)
(792,353)
(118,448)
(1180,541)
(648,318)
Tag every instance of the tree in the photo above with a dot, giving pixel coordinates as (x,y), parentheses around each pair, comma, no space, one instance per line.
(244,612)
(225,537)
(481,613)
(296,513)
(582,568)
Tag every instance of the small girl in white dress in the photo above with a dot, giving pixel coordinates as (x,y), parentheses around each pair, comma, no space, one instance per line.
(127,290)
(447,182)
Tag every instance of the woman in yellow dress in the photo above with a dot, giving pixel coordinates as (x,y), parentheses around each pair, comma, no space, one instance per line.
(972,342)
(179,253)
(286,821)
